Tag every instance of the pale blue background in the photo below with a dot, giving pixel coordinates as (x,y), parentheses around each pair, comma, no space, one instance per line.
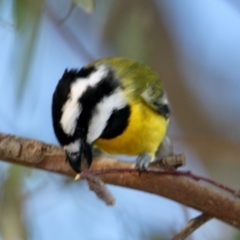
(208,38)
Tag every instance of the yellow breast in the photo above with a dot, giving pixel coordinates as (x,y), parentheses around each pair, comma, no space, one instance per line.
(145,132)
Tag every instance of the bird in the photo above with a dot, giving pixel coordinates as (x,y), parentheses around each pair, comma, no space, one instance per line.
(115,105)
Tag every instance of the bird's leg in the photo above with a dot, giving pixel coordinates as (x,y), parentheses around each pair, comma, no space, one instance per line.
(165,149)
(165,157)
(142,161)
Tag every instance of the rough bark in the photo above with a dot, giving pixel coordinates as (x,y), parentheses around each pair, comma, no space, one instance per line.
(208,199)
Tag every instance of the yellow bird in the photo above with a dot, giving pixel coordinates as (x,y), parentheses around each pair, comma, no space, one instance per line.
(116,105)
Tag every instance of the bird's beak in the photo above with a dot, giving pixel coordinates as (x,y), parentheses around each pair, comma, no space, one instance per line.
(87,153)
(74,158)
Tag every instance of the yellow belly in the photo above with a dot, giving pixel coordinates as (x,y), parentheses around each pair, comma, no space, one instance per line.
(145,132)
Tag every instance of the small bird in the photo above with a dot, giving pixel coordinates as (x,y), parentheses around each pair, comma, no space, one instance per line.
(115,105)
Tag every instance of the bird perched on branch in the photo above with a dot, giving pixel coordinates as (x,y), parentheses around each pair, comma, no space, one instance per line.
(116,105)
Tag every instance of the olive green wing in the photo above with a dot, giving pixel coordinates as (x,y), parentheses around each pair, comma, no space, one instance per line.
(157,99)
(139,82)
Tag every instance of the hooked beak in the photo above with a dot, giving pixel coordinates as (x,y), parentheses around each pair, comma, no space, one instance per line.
(74,158)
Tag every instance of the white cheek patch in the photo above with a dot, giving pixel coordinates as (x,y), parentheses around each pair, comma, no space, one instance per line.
(72,147)
(72,108)
(102,113)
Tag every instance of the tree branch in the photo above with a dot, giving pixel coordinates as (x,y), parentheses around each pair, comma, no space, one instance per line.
(213,201)
(191,226)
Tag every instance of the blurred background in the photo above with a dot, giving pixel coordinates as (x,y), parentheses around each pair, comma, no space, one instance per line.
(194,46)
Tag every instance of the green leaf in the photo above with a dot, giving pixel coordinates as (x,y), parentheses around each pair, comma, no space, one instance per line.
(27,14)
(87,5)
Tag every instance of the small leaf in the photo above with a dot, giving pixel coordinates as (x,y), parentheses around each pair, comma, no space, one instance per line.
(87,5)
(27,14)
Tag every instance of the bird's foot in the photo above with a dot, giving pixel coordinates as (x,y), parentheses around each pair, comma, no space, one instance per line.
(142,162)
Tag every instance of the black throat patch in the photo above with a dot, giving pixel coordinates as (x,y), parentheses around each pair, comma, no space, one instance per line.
(117,123)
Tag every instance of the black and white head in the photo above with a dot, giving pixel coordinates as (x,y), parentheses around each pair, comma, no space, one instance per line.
(84,102)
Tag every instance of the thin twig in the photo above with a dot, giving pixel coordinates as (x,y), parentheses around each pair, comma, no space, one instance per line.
(97,185)
(191,226)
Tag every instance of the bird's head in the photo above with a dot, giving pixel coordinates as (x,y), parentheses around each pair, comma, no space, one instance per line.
(70,122)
